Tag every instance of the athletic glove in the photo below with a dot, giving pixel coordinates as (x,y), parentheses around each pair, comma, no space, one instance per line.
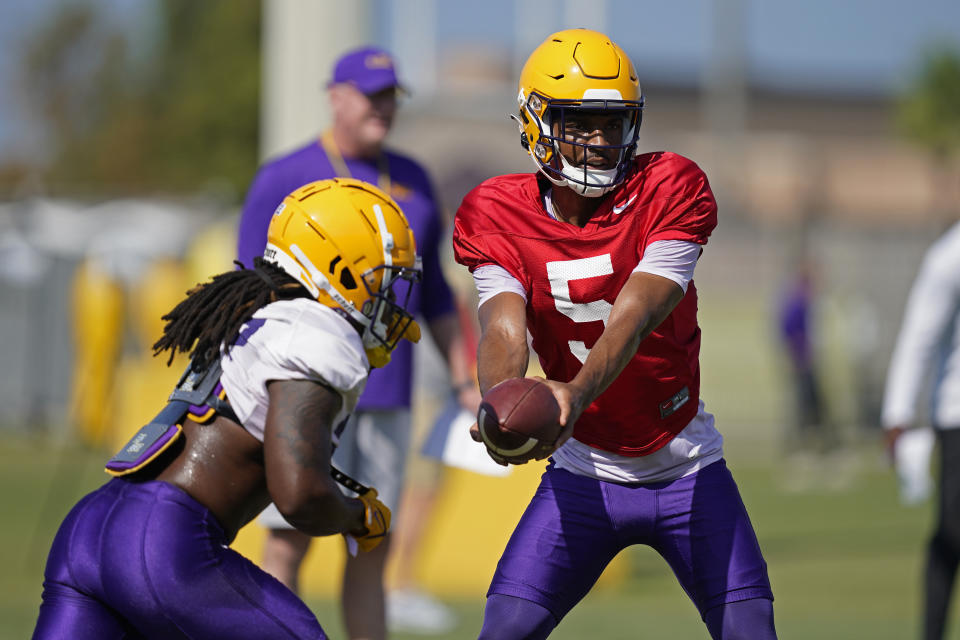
(376,519)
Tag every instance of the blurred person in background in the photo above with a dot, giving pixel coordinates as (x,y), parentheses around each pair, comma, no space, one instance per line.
(363,94)
(795,316)
(925,367)
(279,356)
(594,255)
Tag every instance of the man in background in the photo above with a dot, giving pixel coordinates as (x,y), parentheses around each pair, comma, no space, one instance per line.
(928,349)
(363,95)
(795,322)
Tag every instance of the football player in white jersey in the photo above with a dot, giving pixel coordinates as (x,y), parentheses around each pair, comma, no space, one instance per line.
(279,356)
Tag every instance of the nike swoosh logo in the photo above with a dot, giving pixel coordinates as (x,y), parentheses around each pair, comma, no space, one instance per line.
(619,209)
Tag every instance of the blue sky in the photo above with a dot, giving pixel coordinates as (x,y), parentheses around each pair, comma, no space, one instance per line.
(856,46)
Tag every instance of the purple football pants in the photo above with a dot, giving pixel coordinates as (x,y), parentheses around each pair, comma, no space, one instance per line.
(145,560)
(574,526)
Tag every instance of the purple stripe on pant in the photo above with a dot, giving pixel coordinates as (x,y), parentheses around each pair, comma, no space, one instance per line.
(145,560)
(575,525)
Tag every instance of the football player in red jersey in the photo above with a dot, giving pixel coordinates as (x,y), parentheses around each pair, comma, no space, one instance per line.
(594,254)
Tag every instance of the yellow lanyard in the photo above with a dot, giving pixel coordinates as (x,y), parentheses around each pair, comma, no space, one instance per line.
(340,167)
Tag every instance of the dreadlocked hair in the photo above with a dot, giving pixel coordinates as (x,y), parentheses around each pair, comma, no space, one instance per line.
(213,312)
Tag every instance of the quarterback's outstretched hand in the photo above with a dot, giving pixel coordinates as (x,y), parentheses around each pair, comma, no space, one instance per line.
(376,520)
(572,403)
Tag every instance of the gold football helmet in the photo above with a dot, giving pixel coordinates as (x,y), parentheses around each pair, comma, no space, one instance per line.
(578,70)
(350,245)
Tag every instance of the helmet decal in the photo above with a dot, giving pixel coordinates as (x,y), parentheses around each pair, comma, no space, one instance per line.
(321,281)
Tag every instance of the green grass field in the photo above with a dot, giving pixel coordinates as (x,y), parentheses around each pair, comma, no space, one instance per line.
(844,555)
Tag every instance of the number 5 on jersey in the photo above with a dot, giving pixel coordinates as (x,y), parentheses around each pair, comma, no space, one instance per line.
(560,273)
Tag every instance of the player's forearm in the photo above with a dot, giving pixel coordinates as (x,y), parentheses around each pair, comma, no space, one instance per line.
(306,494)
(644,302)
(500,355)
(297,449)
(502,352)
(609,356)
(324,511)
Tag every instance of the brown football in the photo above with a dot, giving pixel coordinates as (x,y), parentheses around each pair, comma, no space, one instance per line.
(519,419)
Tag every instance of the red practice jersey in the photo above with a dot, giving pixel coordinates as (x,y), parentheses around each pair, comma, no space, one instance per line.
(572,277)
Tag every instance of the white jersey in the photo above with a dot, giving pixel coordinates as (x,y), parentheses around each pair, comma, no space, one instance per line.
(929,342)
(297,339)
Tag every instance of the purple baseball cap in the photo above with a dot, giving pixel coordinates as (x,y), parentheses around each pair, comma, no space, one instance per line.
(368,69)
